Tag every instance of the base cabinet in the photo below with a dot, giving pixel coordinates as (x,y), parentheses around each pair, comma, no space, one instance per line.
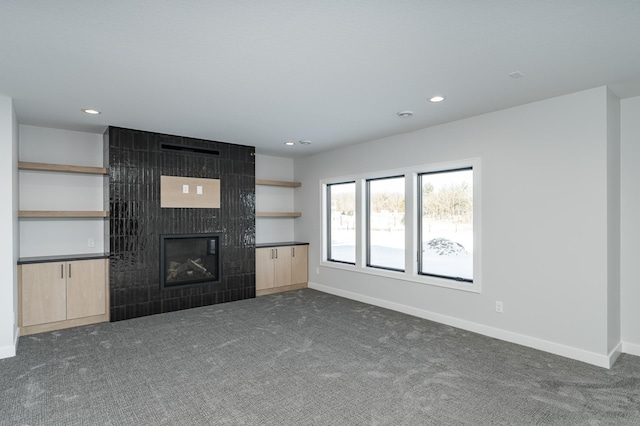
(299,264)
(44,293)
(56,295)
(281,268)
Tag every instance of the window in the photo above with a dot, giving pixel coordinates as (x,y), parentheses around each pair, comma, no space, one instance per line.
(341,205)
(385,223)
(418,224)
(446,224)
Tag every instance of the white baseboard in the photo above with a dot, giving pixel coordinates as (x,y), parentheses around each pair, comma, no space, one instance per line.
(614,354)
(631,348)
(593,358)
(10,350)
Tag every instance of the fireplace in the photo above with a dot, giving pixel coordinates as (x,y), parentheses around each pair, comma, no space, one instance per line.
(188,260)
(137,160)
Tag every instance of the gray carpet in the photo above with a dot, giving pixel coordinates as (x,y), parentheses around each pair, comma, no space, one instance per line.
(302,358)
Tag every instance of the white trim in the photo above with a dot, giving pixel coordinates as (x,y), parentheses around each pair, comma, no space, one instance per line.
(7,351)
(412,244)
(10,351)
(614,354)
(631,348)
(593,358)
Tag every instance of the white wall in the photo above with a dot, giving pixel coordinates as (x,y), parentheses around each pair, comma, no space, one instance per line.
(613,224)
(60,191)
(272,199)
(630,225)
(9,244)
(544,212)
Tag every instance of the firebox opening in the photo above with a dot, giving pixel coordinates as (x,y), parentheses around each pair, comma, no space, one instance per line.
(188,260)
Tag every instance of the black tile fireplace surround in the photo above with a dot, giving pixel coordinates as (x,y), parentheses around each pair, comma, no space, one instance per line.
(136,160)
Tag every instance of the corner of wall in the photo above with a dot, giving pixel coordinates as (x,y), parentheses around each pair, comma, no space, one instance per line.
(9,247)
(629,225)
(613,222)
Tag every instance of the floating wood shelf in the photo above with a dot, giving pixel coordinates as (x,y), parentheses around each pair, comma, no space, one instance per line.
(62,213)
(66,168)
(278,214)
(278,183)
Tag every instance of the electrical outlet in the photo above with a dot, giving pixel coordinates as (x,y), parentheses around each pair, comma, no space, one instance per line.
(91,242)
(317,271)
(499,307)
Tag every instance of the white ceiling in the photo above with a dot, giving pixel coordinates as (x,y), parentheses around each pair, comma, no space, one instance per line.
(260,73)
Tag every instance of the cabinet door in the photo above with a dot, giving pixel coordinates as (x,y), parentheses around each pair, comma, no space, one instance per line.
(283,266)
(86,288)
(265,264)
(299,264)
(43,293)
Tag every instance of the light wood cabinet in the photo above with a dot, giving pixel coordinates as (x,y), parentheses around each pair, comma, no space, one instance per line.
(56,295)
(265,269)
(86,288)
(299,264)
(44,293)
(281,268)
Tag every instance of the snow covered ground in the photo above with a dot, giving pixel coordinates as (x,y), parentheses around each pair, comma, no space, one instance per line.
(388,249)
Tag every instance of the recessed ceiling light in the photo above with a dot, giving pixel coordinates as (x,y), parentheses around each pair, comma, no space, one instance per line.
(91,111)
(436,99)
(289,143)
(405,114)
(305,142)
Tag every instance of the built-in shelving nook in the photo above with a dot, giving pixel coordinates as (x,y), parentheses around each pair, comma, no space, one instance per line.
(63,265)
(280,183)
(62,168)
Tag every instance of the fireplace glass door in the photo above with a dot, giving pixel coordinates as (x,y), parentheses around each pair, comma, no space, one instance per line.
(189,259)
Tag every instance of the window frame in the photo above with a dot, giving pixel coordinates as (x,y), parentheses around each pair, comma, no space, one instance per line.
(367,201)
(329,217)
(412,212)
(420,221)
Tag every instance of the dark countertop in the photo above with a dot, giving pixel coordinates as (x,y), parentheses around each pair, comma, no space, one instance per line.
(89,256)
(62,258)
(281,244)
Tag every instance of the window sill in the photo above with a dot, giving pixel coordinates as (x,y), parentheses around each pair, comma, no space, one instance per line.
(453,284)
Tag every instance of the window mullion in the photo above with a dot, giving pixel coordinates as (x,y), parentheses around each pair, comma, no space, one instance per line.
(361,223)
(411,225)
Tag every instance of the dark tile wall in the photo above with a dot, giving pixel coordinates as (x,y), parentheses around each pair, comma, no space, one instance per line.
(136,163)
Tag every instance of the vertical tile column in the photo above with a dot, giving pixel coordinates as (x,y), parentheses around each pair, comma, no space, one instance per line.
(136,162)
